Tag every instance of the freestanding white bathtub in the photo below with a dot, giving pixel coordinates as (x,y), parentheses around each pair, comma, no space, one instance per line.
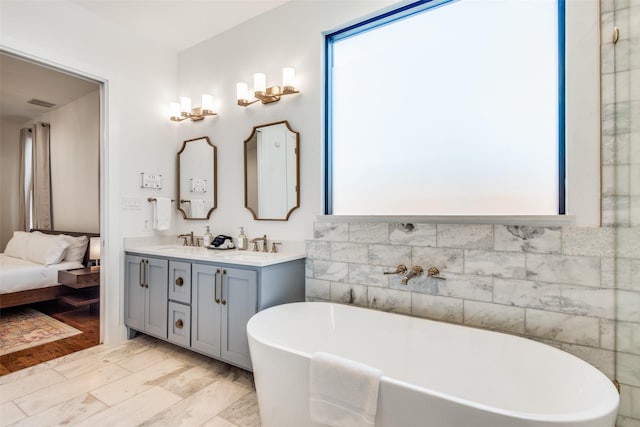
(434,374)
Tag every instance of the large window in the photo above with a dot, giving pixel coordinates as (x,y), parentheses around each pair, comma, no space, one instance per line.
(447,108)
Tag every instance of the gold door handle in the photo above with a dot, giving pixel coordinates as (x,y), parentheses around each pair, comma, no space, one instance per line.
(215,286)
(179,281)
(179,323)
(224,273)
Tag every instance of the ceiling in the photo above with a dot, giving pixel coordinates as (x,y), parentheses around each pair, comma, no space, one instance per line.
(22,80)
(174,24)
(178,24)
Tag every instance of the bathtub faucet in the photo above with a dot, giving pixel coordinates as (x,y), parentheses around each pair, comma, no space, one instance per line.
(416,271)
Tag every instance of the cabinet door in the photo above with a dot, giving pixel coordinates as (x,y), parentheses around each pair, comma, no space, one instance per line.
(157,292)
(180,282)
(179,324)
(134,299)
(240,292)
(205,311)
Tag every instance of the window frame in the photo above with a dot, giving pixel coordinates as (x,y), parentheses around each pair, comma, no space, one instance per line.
(405,11)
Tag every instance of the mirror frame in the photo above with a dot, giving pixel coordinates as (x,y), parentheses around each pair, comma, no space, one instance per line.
(215,179)
(297,152)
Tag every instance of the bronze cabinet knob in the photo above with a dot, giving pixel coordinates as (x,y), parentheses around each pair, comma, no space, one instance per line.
(179,323)
(179,281)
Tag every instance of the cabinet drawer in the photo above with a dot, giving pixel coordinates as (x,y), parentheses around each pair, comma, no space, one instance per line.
(180,281)
(179,324)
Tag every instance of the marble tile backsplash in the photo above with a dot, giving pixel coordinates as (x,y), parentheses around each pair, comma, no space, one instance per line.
(547,283)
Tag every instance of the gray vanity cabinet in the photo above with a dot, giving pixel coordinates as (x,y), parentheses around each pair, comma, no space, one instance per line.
(146,295)
(241,296)
(205,311)
(205,306)
(223,301)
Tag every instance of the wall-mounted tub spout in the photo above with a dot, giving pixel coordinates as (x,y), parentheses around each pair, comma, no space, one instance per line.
(400,269)
(416,271)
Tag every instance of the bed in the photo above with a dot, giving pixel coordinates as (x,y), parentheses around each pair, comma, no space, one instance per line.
(29,267)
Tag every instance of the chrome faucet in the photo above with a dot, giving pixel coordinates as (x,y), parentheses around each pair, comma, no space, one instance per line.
(186,242)
(415,271)
(262,239)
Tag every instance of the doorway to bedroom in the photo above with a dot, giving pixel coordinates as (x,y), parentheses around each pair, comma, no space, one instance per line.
(54,188)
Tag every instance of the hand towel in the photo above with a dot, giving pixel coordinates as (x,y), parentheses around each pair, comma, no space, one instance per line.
(343,392)
(197,208)
(162,213)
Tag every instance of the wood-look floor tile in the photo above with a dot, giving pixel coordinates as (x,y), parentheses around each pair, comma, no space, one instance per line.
(218,422)
(187,382)
(29,384)
(143,360)
(201,406)
(136,383)
(101,356)
(244,412)
(134,411)
(66,413)
(10,413)
(55,394)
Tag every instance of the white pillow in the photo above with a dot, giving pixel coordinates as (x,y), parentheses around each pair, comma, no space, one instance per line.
(77,248)
(17,246)
(46,249)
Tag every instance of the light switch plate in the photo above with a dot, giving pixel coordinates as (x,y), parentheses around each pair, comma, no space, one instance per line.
(131,203)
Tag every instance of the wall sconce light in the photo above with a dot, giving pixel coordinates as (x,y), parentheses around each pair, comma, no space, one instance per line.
(267,94)
(182,110)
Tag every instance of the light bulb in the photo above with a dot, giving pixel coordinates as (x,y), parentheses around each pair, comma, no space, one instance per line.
(288,79)
(259,83)
(207,103)
(242,91)
(174,110)
(185,106)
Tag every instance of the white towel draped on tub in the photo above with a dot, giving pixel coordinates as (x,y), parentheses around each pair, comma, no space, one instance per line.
(162,213)
(343,392)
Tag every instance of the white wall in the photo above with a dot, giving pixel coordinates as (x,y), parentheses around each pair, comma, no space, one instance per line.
(290,35)
(9,175)
(75,144)
(140,78)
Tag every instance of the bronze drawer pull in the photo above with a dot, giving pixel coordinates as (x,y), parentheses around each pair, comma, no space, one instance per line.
(179,323)
(215,287)
(179,281)
(224,273)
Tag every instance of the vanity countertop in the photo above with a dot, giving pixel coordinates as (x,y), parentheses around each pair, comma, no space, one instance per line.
(230,256)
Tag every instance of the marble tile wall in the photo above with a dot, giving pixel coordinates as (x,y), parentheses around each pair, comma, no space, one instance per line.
(553,284)
(620,68)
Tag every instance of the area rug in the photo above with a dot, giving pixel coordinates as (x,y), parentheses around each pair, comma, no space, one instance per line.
(22,328)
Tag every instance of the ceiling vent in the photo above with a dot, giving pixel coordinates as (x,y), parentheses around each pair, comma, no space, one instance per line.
(40,103)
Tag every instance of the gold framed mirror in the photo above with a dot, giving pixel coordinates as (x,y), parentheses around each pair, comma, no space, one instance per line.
(272,171)
(197,182)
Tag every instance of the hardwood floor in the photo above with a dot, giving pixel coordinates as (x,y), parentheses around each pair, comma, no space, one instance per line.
(83,319)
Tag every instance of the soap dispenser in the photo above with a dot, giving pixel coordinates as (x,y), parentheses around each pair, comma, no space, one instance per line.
(208,237)
(242,241)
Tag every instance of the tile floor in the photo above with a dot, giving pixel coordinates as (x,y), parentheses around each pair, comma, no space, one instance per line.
(142,382)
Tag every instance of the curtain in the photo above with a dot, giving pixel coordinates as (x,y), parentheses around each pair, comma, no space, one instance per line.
(42,216)
(26,181)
